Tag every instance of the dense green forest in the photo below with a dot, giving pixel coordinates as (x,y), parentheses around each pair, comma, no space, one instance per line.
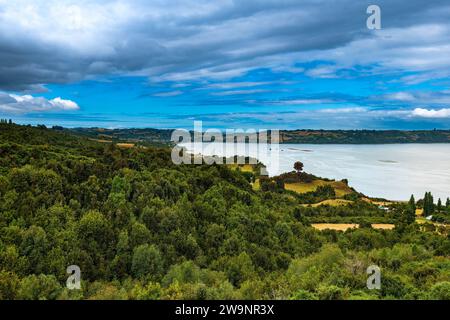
(161,137)
(140,227)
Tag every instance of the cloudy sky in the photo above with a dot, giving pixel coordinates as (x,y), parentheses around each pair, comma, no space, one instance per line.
(249,63)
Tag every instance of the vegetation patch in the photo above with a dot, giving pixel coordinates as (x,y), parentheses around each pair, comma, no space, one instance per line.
(332,202)
(340,187)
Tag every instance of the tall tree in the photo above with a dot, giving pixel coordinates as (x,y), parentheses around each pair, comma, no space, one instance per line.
(298,166)
(412,203)
(428,204)
(411,210)
(439,205)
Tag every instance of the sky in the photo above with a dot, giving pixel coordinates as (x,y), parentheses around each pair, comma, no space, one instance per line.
(293,64)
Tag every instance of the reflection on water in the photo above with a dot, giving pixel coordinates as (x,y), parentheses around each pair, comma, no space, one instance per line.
(393,171)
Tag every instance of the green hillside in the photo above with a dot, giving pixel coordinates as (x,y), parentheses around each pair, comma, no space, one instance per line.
(140,227)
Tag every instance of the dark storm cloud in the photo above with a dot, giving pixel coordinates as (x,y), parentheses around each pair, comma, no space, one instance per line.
(58,42)
(26,63)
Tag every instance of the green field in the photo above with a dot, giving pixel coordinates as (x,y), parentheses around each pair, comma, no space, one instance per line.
(340,188)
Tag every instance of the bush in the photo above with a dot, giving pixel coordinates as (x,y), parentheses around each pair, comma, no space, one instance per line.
(41,287)
(440,291)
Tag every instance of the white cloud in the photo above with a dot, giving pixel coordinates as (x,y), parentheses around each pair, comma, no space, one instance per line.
(238,92)
(323,72)
(401,96)
(234,85)
(421,48)
(20,104)
(418,98)
(302,102)
(168,94)
(61,104)
(431,113)
(345,110)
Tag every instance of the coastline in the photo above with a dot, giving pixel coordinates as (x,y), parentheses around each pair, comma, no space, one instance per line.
(385,171)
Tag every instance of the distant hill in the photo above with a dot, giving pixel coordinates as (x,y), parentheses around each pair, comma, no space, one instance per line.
(365,136)
(152,137)
(163,137)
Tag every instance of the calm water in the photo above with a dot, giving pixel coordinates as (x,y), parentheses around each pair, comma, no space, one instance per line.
(393,171)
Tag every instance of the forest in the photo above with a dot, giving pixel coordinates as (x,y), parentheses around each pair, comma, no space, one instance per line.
(141,228)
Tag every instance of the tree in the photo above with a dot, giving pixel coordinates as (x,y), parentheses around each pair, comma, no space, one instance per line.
(440,291)
(147,262)
(9,284)
(239,269)
(280,183)
(412,203)
(267,184)
(298,166)
(185,272)
(411,211)
(41,287)
(439,205)
(428,204)
(96,240)
(35,245)
(139,234)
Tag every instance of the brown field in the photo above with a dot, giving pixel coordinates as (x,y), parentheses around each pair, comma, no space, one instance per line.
(334,226)
(346,226)
(383,226)
(126,145)
(101,140)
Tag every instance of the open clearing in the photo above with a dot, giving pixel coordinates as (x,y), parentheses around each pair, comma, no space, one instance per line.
(100,140)
(383,226)
(330,202)
(335,226)
(242,167)
(346,226)
(340,187)
(378,203)
(126,145)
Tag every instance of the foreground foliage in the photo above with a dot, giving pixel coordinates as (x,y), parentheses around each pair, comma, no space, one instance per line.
(140,227)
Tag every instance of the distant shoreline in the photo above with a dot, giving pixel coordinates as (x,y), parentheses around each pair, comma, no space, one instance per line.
(344,137)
